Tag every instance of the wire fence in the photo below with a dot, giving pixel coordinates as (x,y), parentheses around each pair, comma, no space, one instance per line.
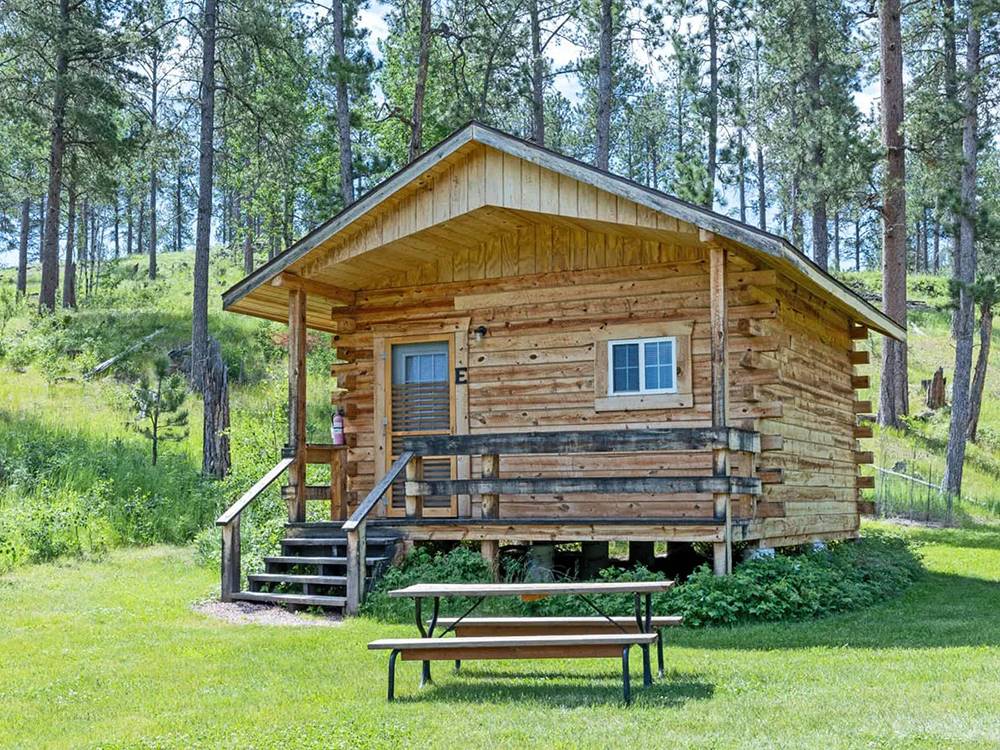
(902,495)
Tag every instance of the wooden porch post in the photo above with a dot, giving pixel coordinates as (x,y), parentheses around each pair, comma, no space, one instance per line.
(490,548)
(723,551)
(297,403)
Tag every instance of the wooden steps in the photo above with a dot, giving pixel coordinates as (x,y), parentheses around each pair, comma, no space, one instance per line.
(296,578)
(311,569)
(304,600)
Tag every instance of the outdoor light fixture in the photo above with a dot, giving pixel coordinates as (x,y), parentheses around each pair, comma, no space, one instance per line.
(480,332)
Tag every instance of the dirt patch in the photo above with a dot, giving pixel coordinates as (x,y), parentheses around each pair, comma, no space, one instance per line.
(248,613)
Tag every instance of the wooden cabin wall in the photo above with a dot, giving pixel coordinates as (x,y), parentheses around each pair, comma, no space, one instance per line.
(817,495)
(535,367)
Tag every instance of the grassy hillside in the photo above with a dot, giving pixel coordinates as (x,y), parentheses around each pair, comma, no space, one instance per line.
(75,478)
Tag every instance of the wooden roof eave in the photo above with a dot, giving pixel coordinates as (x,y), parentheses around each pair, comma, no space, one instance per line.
(785,255)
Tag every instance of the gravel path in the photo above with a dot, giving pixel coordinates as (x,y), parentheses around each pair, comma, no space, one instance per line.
(248,613)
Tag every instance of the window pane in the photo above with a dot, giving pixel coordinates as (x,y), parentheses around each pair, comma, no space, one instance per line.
(426,368)
(659,365)
(625,368)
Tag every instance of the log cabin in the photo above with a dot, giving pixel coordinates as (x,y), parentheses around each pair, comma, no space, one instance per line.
(533,349)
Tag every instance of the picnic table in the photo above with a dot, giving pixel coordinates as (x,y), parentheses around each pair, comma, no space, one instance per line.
(549,636)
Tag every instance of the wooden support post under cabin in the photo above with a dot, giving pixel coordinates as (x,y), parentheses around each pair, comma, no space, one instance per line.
(414,473)
(231,559)
(490,548)
(719,326)
(338,485)
(297,403)
(356,568)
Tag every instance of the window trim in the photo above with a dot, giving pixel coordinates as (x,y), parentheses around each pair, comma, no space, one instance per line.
(641,343)
(681,398)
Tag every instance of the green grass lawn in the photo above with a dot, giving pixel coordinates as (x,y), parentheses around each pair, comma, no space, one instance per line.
(110,654)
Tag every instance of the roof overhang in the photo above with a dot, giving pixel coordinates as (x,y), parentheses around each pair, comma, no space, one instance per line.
(785,255)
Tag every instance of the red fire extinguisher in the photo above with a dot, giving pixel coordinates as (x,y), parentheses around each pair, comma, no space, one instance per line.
(337,426)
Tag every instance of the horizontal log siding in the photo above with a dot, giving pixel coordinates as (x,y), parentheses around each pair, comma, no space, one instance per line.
(534,370)
(817,498)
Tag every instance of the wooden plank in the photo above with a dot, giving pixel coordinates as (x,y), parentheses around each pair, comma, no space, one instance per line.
(585,441)
(485,653)
(356,567)
(865,483)
(490,508)
(863,431)
(335,294)
(338,484)
(860,382)
(858,357)
(380,488)
(862,407)
(414,474)
(858,332)
(419,590)
(864,457)
(596,485)
(719,333)
(231,566)
(297,401)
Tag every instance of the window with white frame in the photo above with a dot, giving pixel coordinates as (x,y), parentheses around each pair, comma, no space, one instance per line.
(642,366)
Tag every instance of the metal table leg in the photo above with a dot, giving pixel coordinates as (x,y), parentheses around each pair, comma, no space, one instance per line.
(644,627)
(626,686)
(425,671)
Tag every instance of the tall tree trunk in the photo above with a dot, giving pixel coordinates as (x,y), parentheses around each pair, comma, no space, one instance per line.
(948,33)
(129,239)
(153,161)
(179,205)
(857,241)
(937,242)
(894,386)
(741,174)
(117,227)
(343,106)
(85,245)
(69,268)
(761,191)
(713,99)
(215,456)
(248,246)
(982,363)
(537,76)
(836,240)
(203,234)
(141,229)
(820,234)
(22,248)
(420,87)
(798,230)
(602,156)
(966,264)
(57,149)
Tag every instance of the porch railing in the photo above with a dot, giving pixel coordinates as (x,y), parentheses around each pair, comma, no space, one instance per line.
(491,485)
(295,497)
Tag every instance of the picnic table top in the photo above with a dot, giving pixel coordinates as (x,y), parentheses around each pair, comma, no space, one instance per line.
(530,589)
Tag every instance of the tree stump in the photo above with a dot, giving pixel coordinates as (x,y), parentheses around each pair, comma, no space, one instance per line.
(215,455)
(935,388)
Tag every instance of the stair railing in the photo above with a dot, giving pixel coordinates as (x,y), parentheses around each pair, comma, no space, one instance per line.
(355,528)
(232,575)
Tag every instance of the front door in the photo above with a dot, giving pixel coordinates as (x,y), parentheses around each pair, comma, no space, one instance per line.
(421,399)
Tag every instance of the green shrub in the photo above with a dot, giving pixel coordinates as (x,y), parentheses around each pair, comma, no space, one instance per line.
(793,585)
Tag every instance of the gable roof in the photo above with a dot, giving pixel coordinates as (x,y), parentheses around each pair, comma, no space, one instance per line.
(777,249)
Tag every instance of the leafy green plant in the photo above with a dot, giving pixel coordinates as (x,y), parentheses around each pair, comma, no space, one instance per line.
(156,401)
(793,585)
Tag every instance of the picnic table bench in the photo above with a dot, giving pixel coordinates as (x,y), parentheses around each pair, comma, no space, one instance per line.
(531,637)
